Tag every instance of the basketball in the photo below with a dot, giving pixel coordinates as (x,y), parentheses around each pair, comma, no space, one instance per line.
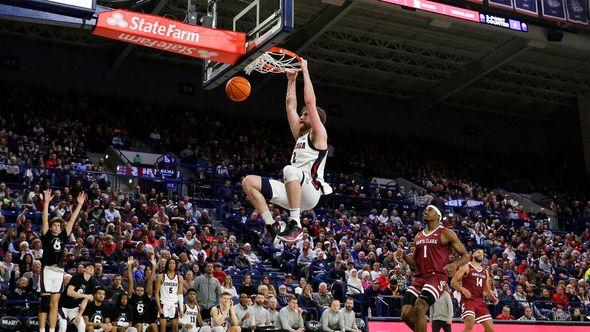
(237,88)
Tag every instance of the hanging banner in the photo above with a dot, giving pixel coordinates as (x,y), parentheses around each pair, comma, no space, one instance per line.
(577,11)
(172,36)
(553,9)
(507,4)
(528,7)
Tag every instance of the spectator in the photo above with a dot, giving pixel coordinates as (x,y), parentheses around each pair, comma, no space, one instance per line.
(290,317)
(332,319)
(228,287)
(505,314)
(208,291)
(528,314)
(323,298)
(247,286)
(355,287)
(242,262)
(349,317)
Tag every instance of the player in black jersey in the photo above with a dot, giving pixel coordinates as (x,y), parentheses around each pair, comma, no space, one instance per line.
(140,299)
(54,240)
(74,300)
(96,314)
(122,314)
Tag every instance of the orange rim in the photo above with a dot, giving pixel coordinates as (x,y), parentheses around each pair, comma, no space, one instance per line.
(276,49)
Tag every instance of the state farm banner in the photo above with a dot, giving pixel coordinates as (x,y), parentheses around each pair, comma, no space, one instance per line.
(172,36)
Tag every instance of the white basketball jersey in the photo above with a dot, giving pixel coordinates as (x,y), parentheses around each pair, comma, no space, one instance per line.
(190,314)
(169,290)
(311,161)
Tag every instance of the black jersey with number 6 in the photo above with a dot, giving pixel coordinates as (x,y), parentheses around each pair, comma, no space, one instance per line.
(53,248)
(141,308)
(82,286)
(122,315)
(96,314)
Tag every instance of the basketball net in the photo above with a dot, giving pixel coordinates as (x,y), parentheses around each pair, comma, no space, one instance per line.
(276,60)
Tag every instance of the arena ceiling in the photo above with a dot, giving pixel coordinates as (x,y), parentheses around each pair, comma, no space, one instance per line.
(422,59)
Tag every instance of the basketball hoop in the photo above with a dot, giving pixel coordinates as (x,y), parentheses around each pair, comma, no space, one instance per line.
(276,60)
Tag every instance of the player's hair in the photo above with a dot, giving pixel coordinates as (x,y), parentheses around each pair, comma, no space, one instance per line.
(321,113)
(191,290)
(167,266)
(54,220)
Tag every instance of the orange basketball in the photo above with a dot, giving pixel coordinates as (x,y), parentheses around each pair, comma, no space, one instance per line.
(237,88)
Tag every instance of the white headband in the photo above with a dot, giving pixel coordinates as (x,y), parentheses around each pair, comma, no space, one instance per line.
(436,210)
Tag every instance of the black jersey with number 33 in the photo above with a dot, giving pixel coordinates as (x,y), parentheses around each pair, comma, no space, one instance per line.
(53,248)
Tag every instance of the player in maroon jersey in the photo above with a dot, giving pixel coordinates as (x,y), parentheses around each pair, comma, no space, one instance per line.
(472,280)
(431,260)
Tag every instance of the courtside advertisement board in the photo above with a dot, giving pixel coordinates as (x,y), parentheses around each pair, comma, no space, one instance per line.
(398,326)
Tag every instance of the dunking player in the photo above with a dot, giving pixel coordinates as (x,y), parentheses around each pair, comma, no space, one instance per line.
(54,241)
(431,256)
(472,280)
(303,180)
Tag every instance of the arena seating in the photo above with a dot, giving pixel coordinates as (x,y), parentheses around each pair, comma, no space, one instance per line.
(359,223)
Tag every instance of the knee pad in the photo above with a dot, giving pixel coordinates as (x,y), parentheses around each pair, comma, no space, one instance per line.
(44,305)
(292,173)
(409,298)
(428,297)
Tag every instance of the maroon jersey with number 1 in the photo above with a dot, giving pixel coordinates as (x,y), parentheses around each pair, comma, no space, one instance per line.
(431,255)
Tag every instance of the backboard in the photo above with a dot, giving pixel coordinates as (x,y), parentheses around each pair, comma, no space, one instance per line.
(266,22)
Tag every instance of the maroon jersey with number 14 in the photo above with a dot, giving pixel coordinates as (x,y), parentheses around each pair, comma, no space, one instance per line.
(431,255)
(474,281)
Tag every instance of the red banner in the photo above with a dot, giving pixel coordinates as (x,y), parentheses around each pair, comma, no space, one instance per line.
(438,8)
(172,36)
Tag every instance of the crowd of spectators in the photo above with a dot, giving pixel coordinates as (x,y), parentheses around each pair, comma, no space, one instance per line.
(348,248)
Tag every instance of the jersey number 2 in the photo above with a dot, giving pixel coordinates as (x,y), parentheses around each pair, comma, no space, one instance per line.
(294,159)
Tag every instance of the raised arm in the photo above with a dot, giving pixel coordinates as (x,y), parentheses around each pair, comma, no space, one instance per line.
(47,197)
(74,217)
(130,262)
(453,241)
(456,282)
(291,104)
(318,131)
(150,281)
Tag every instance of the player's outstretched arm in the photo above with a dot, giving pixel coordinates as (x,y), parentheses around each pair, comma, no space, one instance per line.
(453,240)
(457,278)
(47,197)
(317,127)
(291,103)
(74,217)
(488,290)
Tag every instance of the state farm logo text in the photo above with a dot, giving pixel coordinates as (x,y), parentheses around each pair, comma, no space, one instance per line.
(168,30)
